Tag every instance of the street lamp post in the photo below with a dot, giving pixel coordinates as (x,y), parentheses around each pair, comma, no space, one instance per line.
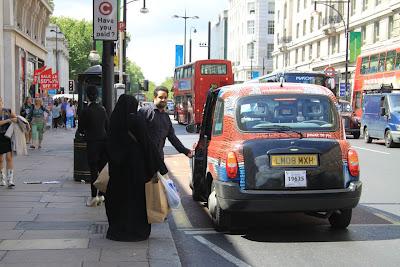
(57,32)
(346,30)
(190,42)
(185,18)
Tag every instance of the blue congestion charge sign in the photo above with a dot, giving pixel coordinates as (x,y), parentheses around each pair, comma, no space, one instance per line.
(105,20)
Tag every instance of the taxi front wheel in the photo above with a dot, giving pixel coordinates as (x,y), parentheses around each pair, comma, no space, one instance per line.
(340,219)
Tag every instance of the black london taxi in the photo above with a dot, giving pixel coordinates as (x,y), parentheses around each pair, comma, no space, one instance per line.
(274,147)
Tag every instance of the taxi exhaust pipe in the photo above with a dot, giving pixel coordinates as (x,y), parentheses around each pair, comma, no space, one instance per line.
(322,215)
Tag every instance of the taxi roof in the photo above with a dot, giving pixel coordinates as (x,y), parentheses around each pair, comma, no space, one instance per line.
(239,90)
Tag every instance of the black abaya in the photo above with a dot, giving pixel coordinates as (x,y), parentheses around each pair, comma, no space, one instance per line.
(132,163)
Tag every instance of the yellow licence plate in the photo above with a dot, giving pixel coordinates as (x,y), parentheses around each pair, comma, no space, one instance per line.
(298,160)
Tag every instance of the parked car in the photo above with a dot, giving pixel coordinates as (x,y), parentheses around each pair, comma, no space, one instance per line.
(274,147)
(351,122)
(170,107)
(381,118)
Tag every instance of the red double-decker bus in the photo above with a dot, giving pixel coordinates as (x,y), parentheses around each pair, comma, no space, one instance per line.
(191,84)
(374,71)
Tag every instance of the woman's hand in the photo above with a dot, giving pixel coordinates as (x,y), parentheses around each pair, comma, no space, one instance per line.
(13,120)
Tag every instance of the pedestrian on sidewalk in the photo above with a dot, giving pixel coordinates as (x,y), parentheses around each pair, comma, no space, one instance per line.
(93,124)
(6,117)
(38,123)
(133,160)
(159,124)
(70,113)
(26,112)
(56,112)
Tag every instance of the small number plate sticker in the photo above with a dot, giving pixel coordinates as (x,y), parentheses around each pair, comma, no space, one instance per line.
(295,179)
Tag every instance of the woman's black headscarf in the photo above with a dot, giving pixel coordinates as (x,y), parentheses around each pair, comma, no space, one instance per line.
(118,136)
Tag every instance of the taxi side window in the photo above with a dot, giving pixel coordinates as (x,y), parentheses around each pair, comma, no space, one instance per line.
(218,118)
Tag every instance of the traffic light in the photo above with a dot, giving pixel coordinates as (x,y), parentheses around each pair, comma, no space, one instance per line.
(146,85)
(71,86)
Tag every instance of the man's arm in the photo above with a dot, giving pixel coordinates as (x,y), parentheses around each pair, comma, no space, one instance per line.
(176,142)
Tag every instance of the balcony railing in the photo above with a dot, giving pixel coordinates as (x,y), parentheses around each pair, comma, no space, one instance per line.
(284,40)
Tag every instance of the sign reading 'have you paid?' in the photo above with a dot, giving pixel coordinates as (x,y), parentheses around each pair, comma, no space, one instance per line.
(105,20)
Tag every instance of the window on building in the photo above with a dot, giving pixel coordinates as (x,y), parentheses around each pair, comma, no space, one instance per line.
(304,27)
(279,15)
(391,55)
(305,4)
(303,54)
(251,7)
(250,50)
(250,27)
(390,27)
(296,56)
(271,8)
(287,59)
(319,20)
(310,52)
(333,44)
(312,24)
(297,30)
(285,11)
(271,26)
(298,6)
(270,49)
(363,34)
(365,5)
(318,49)
(276,62)
(352,7)
(398,61)
(341,8)
(338,43)
(378,2)
(376,31)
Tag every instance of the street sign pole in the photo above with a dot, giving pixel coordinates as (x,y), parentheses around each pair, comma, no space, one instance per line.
(105,27)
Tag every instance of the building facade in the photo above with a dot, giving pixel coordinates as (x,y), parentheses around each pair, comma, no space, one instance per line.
(309,39)
(22,46)
(251,37)
(57,56)
(219,37)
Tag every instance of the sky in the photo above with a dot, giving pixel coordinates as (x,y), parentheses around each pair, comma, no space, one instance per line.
(155,34)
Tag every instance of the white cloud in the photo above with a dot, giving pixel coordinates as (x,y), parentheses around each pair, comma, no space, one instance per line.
(155,34)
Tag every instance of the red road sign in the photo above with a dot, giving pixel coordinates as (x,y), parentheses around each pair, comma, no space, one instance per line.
(105,8)
(330,71)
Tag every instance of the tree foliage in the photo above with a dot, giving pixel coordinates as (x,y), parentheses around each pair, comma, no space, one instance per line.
(169,82)
(79,36)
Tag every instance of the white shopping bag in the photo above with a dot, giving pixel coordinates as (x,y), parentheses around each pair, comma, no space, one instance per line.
(174,200)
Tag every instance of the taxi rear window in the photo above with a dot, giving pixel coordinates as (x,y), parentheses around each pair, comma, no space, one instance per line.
(297,112)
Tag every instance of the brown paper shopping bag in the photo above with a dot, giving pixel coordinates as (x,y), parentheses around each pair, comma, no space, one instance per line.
(156,202)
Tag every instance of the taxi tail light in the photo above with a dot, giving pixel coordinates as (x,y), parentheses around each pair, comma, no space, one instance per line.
(352,159)
(231,165)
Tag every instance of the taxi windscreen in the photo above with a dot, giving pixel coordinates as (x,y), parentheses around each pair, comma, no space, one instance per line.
(286,112)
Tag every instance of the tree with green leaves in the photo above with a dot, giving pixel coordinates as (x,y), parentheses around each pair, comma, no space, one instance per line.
(80,41)
(169,82)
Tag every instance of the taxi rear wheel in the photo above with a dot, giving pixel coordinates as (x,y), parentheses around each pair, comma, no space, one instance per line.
(340,219)
(220,218)
(356,135)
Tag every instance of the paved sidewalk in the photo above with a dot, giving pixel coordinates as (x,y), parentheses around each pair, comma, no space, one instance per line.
(49,224)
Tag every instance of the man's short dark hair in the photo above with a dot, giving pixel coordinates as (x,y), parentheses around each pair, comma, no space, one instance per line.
(160,88)
(91,92)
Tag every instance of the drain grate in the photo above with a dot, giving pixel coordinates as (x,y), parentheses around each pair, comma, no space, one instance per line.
(99,228)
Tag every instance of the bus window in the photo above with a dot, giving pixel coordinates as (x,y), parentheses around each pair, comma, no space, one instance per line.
(398,61)
(212,69)
(364,65)
(373,65)
(358,101)
(391,55)
(381,63)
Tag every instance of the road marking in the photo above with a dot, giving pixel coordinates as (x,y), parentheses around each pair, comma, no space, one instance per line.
(229,257)
(180,218)
(387,218)
(202,232)
(372,150)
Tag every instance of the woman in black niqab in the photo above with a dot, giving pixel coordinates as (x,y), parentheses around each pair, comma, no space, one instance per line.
(133,160)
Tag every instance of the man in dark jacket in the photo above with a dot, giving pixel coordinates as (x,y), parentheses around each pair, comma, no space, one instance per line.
(93,124)
(159,124)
